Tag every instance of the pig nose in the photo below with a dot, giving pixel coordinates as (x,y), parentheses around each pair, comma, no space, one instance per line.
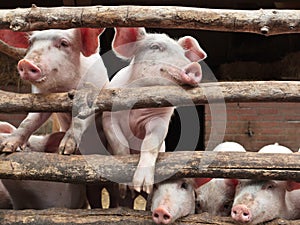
(192,73)
(241,213)
(161,215)
(28,71)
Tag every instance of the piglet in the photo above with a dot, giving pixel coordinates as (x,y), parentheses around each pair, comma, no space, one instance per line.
(56,61)
(155,59)
(258,201)
(174,199)
(29,194)
(216,196)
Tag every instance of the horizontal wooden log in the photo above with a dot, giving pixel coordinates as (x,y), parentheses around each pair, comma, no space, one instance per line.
(101,168)
(120,99)
(266,22)
(16,53)
(119,216)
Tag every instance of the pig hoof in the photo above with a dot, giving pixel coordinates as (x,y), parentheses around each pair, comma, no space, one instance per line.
(67,147)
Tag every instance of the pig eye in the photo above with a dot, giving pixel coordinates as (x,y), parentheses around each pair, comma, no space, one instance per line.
(156,47)
(269,186)
(184,185)
(64,43)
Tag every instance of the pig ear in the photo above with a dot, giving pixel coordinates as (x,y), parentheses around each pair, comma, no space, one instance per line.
(52,142)
(292,185)
(193,51)
(6,128)
(231,182)
(15,39)
(200,181)
(124,40)
(90,40)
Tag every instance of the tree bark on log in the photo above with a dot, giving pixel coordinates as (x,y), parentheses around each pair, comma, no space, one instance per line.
(159,96)
(266,22)
(117,216)
(16,53)
(101,168)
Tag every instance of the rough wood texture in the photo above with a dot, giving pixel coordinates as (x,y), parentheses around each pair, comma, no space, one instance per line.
(95,168)
(120,99)
(106,217)
(16,53)
(266,22)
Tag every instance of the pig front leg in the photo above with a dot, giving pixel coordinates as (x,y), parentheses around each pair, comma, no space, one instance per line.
(153,143)
(21,135)
(117,143)
(70,143)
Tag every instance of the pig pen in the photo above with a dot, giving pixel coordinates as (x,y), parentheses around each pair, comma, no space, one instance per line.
(75,169)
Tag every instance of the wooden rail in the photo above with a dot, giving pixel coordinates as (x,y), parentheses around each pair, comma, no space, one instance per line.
(119,216)
(161,96)
(101,168)
(266,22)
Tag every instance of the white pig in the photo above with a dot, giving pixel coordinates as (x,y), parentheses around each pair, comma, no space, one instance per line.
(174,199)
(28,194)
(216,196)
(155,59)
(56,61)
(257,201)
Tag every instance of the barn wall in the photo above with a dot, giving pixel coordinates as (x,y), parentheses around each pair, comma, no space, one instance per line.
(257,124)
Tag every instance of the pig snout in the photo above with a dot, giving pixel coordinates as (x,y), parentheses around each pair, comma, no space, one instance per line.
(192,74)
(161,216)
(29,71)
(241,213)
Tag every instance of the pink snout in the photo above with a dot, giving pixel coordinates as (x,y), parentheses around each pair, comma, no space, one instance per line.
(29,71)
(241,213)
(161,216)
(192,74)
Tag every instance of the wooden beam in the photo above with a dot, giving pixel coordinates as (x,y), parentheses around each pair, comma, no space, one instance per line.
(266,22)
(103,168)
(160,96)
(119,216)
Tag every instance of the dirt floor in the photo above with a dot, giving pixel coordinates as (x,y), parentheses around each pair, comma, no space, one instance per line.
(140,202)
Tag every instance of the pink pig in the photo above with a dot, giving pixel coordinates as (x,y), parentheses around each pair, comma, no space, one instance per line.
(30,194)
(156,59)
(258,201)
(216,196)
(174,199)
(56,61)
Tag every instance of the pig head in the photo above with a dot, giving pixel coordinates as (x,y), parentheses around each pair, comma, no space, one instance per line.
(56,61)
(258,201)
(174,199)
(155,59)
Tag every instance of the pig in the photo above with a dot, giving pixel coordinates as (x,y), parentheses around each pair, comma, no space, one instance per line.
(29,194)
(174,199)
(56,61)
(258,201)
(216,196)
(155,59)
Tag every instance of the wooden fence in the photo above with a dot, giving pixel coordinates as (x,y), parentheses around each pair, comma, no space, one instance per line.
(81,169)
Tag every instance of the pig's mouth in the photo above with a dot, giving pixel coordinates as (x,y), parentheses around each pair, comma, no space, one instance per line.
(41,79)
